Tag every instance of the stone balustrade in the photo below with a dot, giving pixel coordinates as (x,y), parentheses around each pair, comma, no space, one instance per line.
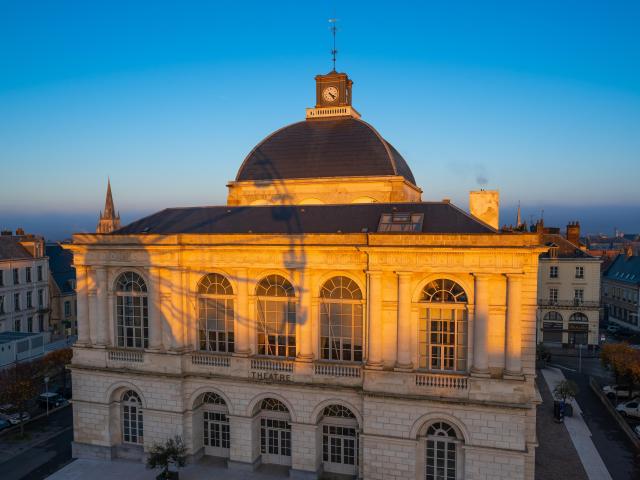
(337,370)
(126,356)
(457,382)
(210,360)
(272,365)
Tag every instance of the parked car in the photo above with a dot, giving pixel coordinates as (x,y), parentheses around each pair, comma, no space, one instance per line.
(4,424)
(636,430)
(620,391)
(16,418)
(52,398)
(629,409)
(7,409)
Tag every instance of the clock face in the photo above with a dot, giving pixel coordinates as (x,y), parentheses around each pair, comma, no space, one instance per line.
(330,94)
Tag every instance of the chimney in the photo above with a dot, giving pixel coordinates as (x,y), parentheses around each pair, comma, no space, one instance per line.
(573,232)
(629,252)
(485,205)
(19,231)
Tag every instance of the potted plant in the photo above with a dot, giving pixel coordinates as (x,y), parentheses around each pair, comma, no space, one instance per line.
(168,456)
(564,392)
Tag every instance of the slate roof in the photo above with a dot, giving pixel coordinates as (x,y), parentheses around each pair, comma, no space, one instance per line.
(335,147)
(566,249)
(61,266)
(439,217)
(625,269)
(10,248)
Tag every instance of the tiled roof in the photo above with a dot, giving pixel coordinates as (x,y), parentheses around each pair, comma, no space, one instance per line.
(10,248)
(342,147)
(566,249)
(61,266)
(624,269)
(439,217)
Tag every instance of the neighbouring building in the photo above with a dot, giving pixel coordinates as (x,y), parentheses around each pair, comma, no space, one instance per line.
(620,291)
(325,319)
(18,347)
(24,272)
(568,290)
(62,290)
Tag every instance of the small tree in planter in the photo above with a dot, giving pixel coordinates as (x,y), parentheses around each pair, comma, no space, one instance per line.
(565,391)
(172,453)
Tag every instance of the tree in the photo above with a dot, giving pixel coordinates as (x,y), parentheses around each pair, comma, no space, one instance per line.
(161,456)
(54,364)
(566,390)
(19,385)
(624,362)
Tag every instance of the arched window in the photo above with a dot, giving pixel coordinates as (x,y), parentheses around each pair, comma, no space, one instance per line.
(132,424)
(275,432)
(132,311)
(215,419)
(443,326)
(442,453)
(578,317)
(276,317)
(215,313)
(552,327)
(339,440)
(341,336)
(578,329)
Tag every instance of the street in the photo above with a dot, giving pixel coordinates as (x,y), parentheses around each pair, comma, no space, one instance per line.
(48,449)
(620,457)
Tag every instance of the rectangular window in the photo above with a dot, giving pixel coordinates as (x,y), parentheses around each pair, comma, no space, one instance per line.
(30,324)
(1,278)
(40,298)
(16,276)
(29,300)
(578,296)
(16,302)
(67,309)
(41,322)
(1,304)
(553,271)
(27,271)
(553,295)
(579,272)
(39,273)
(16,325)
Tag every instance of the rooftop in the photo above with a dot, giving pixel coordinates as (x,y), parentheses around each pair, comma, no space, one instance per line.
(61,266)
(624,269)
(11,249)
(8,337)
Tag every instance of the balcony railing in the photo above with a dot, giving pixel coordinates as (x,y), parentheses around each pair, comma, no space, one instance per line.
(272,365)
(456,382)
(127,356)
(210,360)
(543,302)
(337,370)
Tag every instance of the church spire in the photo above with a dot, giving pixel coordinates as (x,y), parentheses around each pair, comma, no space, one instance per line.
(109,220)
(518,217)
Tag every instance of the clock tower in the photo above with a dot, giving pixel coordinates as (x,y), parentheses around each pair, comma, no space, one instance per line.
(333,96)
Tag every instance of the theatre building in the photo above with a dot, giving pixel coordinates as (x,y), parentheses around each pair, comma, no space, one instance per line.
(326,319)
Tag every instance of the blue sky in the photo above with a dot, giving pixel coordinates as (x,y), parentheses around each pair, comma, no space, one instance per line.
(541,99)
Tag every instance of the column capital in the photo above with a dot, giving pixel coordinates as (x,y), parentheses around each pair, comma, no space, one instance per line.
(514,276)
(403,274)
(483,276)
(374,273)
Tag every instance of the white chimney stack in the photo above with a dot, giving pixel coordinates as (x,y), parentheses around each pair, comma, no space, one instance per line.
(485,206)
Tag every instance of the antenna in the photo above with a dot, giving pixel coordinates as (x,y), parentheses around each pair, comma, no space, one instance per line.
(333,29)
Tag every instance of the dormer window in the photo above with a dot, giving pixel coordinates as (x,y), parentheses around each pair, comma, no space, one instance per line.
(401,222)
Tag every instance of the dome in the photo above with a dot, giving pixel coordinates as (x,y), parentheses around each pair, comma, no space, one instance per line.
(317,148)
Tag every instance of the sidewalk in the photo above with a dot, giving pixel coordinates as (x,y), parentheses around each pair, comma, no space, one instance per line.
(579,433)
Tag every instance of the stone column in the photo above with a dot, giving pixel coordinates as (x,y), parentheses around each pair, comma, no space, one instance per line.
(374,301)
(244,452)
(304,456)
(304,319)
(481,327)
(404,321)
(176,318)
(93,305)
(155,312)
(513,333)
(103,306)
(84,330)
(242,321)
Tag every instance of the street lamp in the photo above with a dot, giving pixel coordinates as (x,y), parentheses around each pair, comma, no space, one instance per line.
(46,388)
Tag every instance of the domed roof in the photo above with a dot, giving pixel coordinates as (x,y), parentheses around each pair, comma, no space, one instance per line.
(330,147)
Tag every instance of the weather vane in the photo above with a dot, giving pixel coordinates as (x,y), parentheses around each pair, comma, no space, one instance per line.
(333,29)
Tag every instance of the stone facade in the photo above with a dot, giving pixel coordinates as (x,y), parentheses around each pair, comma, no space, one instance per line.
(491,404)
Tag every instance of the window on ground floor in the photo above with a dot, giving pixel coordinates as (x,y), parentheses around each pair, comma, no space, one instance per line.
(132,420)
(442,453)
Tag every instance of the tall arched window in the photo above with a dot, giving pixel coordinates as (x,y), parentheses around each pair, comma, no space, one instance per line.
(132,311)
(275,432)
(215,419)
(442,453)
(341,335)
(443,326)
(132,424)
(215,313)
(276,317)
(339,440)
